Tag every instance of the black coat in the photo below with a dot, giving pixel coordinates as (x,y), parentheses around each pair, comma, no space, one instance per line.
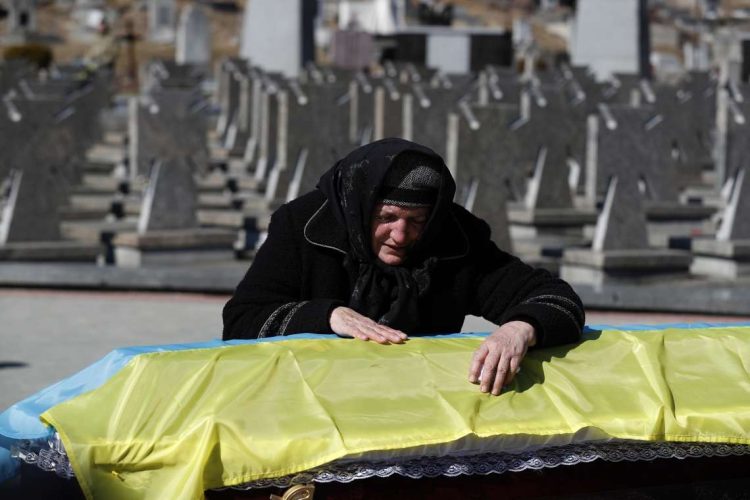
(298,278)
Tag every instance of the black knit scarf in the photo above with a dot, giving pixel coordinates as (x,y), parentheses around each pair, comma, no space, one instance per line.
(386,294)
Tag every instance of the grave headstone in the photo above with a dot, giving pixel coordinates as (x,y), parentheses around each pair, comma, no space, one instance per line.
(284,45)
(361,109)
(728,255)
(454,49)
(388,109)
(167,231)
(425,114)
(326,141)
(735,131)
(164,124)
(267,132)
(30,211)
(622,223)
(379,17)
(481,152)
(21,19)
(612,36)
(620,250)
(352,49)
(162,16)
(170,199)
(193,37)
(630,143)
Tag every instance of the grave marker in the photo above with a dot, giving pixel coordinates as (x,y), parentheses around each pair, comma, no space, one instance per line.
(193,37)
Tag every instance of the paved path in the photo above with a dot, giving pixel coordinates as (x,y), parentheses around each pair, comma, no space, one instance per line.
(47,335)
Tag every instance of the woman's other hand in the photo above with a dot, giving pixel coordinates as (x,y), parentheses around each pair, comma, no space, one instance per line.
(499,357)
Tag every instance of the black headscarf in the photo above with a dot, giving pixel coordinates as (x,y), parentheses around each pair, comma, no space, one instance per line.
(386,294)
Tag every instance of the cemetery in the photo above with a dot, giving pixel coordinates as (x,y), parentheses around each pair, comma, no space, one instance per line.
(158,170)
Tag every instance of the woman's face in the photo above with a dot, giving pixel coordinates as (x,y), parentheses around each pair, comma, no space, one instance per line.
(395,230)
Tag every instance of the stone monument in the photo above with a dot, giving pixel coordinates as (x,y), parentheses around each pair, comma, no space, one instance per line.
(168,231)
(620,251)
(728,255)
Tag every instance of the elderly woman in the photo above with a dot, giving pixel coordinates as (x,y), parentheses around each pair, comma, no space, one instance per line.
(380,252)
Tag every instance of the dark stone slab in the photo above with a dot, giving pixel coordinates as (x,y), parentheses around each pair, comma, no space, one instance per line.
(718,267)
(737,249)
(622,223)
(30,209)
(553,217)
(177,239)
(548,189)
(631,261)
(428,109)
(170,199)
(51,251)
(167,123)
(628,142)
(735,224)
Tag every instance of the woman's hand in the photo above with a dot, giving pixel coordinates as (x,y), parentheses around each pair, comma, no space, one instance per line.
(499,357)
(347,322)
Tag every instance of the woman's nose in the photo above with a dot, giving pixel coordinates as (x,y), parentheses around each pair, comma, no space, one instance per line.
(399,232)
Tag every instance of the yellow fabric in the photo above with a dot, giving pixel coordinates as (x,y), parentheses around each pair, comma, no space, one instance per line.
(171,424)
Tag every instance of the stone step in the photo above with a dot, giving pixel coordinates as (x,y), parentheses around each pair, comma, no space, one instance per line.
(218,182)
(76,213)
(106,153)
(51,251)
(247,202)
(97,167)
(131,204)
(90,231)
(232,218)
(115,138)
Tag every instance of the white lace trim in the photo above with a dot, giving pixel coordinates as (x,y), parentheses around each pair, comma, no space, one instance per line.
(50,456)
(498,463)
(47,454)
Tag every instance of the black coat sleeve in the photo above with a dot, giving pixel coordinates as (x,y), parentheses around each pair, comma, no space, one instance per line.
(269,301)
(508,289)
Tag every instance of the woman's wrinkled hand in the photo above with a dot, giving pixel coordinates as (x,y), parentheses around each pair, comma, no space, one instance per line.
(347,322)
(498,359)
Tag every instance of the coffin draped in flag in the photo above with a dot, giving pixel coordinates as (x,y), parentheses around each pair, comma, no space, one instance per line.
(171,424)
